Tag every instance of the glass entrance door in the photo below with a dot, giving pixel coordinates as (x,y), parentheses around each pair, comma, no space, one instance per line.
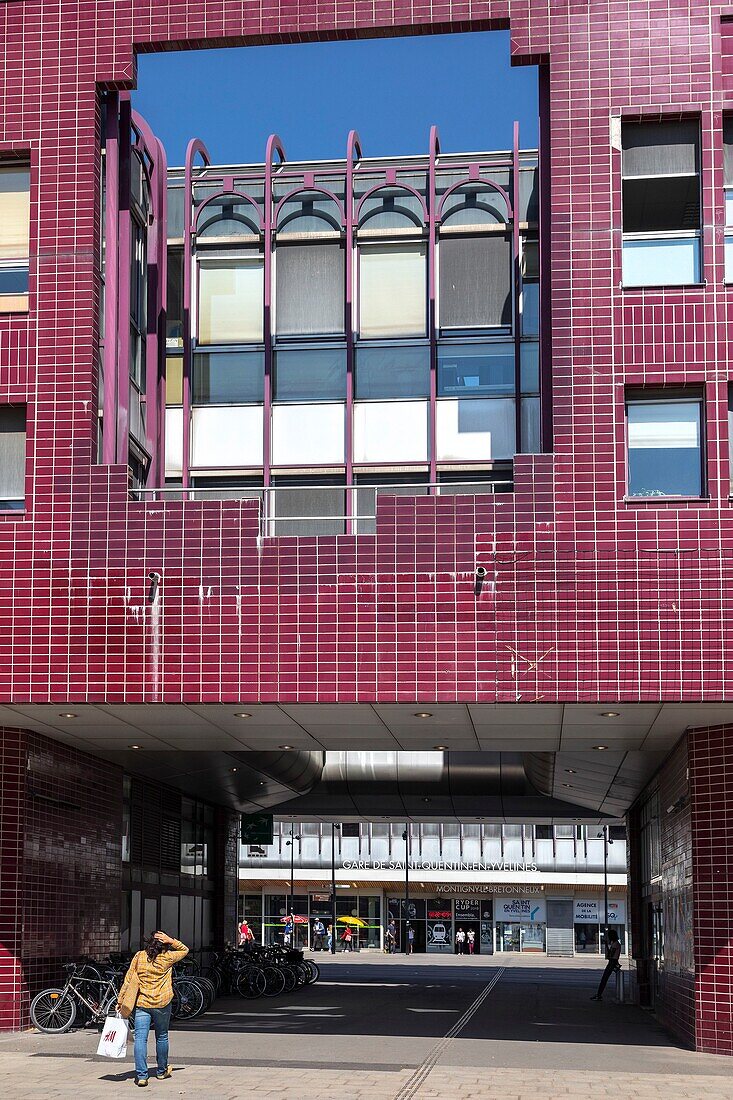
(507,934)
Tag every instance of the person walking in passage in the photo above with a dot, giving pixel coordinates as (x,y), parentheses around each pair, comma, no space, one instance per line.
(319,932)
(346,939)
(461,941)
(152,969)
(246,935)
(391,938)
(329,937)
(471,938)
(613,951)
(410,938)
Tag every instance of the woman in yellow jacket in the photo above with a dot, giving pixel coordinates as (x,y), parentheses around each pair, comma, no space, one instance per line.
(152,968)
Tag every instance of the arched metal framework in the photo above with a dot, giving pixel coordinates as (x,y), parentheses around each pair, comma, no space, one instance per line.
(432,209)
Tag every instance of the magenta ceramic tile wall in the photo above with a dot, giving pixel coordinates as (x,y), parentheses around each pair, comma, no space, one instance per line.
(629,601)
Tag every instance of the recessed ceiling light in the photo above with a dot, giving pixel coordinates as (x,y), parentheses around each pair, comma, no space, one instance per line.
(285,746)
(600,748)
(426,799)
(610,714)
(134,746)
(570,771)
(68,714)
(262,782)
(440,748)
(567,785)
(234,769)
(423,714)
(242,714)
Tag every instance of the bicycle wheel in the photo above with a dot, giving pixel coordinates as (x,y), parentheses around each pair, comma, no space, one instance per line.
(274,980)
(251,983)
(188,1000)
(314,969)
(291,978)
(209,991)
(53,1011)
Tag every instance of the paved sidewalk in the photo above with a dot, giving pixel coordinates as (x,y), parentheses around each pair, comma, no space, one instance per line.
(396,1029)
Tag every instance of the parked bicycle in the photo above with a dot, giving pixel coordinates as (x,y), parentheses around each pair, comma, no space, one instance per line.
(87,990)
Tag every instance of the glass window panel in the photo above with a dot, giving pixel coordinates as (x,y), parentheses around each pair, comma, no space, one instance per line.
(174,380)
(530,309)
(472,369)
(663,262)
(306,435)
(372,486)
(14,280)
(12,456)
(225,217)
(392,290)
(15,210)
(226,436)
(173,442)
(221,487)
(174,299)
(391,208)
(312,506)
(310,289)
(661,205)
(395,371)
(228,377)
(530,364)
(309,212)
(475,281)
(660,148)
(310,374)
(664,450)
(530,425)
(230,301)
(176,205)
(474,204)
(474,429)
(529,194)
(390,431)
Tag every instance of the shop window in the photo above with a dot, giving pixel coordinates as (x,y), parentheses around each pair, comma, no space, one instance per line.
(392,290)
(665,444)
(661,203)
(308,435)
(12,457)
(475,285)
(14,235)
(225,436)
(309,297)
(310,374)
(231,300)
(471,370)
(475,429)
(392,371)
(228,377)
(390,431)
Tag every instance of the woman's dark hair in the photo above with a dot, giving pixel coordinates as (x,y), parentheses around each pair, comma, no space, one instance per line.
(153,948)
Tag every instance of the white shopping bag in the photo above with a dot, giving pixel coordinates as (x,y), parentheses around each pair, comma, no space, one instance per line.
(113,1042)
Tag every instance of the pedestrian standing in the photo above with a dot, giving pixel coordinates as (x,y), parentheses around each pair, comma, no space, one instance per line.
(613,951)
(329,937)
(346,939)
(461,941)
(152,970)
(410,938)
(471,938)
(318,933)
(246,935)
(582,938)
(289,925)
(391,938)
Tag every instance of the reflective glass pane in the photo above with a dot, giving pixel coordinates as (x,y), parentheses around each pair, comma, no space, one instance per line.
(308,435)
(479,429)
(391,208)
(174,380)
(530,309)
(472,369)
(228,377)
(663,262)
(310,374)
(12,455)
(530,359)
(309,298)
(230,301)
(224,436)
(225,217)
(15,210)
(395,371)
(664,448)
(530,425)
(475,281)
(474,204)
(173,442)
(392,290)
(13,280)
(661,204)
(317,507)
(174,299)
(390,431)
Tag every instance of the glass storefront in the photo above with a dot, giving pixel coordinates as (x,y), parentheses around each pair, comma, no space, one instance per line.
(361,914)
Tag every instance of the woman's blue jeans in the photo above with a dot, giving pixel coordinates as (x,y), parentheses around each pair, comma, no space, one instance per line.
(158,1019)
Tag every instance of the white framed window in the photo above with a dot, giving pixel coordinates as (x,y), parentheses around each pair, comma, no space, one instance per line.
(308,435)
(475,429)
(226,436)
(230,300)
(664,444)
(15,209)
(12,457)
(390,431)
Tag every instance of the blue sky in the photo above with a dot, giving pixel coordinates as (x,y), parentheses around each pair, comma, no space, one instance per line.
(390,90)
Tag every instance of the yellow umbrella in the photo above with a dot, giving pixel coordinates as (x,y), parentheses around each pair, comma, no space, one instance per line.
(355,922)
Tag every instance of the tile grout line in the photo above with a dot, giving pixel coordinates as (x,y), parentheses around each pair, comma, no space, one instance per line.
(419,1076)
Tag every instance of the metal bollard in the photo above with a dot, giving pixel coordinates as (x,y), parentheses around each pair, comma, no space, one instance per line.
(620,986)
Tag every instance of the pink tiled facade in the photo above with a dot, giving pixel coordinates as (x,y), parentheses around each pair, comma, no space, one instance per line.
(628,600)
